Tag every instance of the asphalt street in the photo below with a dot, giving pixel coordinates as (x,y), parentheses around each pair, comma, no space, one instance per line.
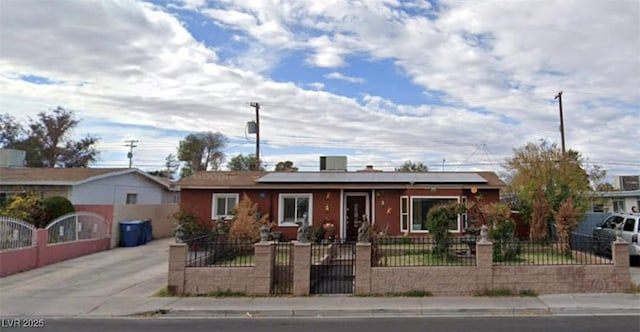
(467,324)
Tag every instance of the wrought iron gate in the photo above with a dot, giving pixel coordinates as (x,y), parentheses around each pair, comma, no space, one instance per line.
(282,274)
(333,268)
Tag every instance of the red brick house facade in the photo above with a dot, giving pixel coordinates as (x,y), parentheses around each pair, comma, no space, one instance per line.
(392,201)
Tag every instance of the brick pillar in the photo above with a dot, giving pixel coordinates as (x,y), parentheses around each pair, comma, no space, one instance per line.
(484,265)
(42,239)
(621,273)
(301,268)
(363,268)
(177,268)
(263,268)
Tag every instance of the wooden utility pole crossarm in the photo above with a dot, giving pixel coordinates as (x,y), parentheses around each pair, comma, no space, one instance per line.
(131,144)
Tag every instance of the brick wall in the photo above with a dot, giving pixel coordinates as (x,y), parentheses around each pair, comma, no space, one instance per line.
(438,280)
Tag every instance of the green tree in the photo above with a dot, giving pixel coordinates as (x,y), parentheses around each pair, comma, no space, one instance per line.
(599,186)
(242,163)
(201,152)
(411,167)
(46,140)
(10,131)
(286,166)
(171,166)
(542,179)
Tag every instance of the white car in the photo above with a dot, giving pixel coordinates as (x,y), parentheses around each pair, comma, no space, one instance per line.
(628,230)
(624,225)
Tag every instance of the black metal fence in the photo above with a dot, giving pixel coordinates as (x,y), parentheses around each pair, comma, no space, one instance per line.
(282,276)
(578,250)
(333,268)
(423,251)
(214,251)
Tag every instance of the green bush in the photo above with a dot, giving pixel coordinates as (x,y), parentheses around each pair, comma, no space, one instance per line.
(190,224)
(438,221)
(54,207)
(502,232)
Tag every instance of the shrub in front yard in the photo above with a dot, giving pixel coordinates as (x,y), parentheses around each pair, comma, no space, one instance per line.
(247,221)
(502,230)
(189,223)
(566,221)
(439,220)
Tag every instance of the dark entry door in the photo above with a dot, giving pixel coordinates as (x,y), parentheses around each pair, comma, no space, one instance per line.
(356,208)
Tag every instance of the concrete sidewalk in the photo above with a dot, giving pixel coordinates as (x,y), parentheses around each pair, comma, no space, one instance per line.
(348,306)
(332,306)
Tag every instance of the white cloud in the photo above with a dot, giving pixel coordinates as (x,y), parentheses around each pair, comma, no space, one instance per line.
(497,64)
(316,85)
(339,76)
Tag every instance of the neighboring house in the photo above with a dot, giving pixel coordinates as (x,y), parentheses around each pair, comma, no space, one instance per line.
(395,203)
(624,198)
(118,194)
(616,201)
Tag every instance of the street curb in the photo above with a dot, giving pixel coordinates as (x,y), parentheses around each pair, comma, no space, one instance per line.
(307,313)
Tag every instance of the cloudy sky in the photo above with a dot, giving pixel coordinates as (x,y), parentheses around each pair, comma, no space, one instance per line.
(380,81)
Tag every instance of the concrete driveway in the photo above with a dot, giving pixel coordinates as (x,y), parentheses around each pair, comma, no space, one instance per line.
(88,284)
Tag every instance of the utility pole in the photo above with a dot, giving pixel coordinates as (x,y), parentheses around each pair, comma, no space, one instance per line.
(131,144)
(257,107)
(559,97)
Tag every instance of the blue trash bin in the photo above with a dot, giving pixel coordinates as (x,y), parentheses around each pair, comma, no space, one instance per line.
(130,233)
(148,231)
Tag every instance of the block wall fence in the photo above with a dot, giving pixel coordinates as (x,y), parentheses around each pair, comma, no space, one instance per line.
(437,280)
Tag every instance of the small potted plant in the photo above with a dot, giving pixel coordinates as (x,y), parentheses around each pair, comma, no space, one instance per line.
(318,234)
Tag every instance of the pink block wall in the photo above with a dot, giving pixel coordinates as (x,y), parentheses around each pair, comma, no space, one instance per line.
(19,260)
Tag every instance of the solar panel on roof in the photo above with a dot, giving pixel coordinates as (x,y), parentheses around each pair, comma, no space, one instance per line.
(371,177)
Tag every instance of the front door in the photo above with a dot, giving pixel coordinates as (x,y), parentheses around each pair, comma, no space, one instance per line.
(355,209)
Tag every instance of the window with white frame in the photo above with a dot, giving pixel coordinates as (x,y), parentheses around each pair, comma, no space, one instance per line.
(404,213)
(293,208)
(618,205)
(223,206)
(420,206)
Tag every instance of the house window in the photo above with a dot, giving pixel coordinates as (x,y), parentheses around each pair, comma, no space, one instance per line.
(618,205)
(420,206)
(223,206)
(293,208)
(404,213)
(132,198)
(597,207)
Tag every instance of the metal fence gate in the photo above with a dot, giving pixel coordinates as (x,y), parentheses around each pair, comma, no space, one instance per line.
(333,268)
(282,274)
